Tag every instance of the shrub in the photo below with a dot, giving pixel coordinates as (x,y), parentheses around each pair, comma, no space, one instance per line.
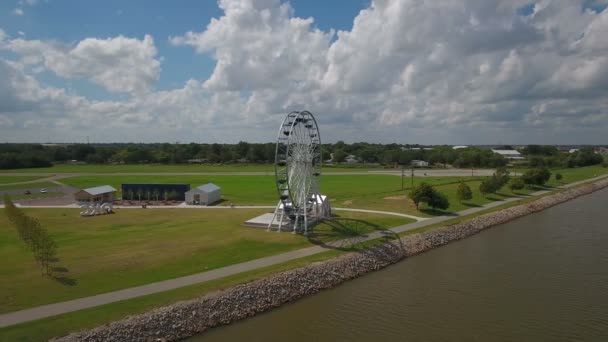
(516,184)
(538,176)
(425,193)
(463,192)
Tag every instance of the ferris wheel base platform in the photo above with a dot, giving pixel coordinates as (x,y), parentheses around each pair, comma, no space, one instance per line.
(264,220)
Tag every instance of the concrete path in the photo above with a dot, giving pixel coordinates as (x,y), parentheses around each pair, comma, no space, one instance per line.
(49,310)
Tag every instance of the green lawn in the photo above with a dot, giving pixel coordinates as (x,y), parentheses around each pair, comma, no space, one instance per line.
(576,174)
(45,329)
(139,246)
(65,168)
(379,192)
(15,179)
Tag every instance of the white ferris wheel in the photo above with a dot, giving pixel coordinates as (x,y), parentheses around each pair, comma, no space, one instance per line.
(298,172)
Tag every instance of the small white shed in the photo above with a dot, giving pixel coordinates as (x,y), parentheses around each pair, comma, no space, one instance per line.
(204,194)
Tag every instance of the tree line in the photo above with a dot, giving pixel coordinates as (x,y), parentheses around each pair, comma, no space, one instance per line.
(550,157)
(14,156)
(36,238)
(426,193)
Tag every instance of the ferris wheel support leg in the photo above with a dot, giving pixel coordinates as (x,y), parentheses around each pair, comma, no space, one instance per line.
(280,221)
(271,221)
(295,224)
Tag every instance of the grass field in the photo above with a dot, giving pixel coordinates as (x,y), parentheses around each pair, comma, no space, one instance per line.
(378,192)
(137,246)
(28,186)
(15,179)
(65,168)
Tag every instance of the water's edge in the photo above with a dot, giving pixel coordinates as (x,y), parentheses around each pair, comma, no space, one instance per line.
(188,318)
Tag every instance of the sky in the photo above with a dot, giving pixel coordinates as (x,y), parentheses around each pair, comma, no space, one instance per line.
(385,71)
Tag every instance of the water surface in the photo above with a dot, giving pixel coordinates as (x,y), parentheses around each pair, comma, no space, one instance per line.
(543,277)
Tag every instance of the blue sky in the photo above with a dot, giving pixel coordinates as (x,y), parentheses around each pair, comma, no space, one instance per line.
(71,21)
(476,71)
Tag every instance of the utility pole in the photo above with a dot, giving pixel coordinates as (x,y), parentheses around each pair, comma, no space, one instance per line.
(402,170)
(412,178)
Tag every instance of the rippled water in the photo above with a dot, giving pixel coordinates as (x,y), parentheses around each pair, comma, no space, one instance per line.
(541,277)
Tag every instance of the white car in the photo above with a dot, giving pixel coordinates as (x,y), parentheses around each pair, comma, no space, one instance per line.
(43,191)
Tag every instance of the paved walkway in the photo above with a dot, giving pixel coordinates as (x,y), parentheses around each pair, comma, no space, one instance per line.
(49,310)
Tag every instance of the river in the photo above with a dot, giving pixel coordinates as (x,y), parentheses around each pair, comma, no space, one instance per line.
(542,277)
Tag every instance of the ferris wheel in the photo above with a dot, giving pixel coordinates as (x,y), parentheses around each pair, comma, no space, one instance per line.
(298,171)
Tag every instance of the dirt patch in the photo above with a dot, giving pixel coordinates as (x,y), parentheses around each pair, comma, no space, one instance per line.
(347,203)
(402,197)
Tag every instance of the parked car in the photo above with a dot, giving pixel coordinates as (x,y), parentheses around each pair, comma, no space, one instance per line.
(27,192)
(43,191)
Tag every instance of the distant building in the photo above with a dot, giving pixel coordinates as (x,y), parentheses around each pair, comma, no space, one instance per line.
(572,150)
(204,195)
(509,154)
(104,193)
(154,191)
(351,159)
(420,163)
(459,147)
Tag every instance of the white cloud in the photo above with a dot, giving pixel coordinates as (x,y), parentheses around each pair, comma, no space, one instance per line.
(410,71)
(118,64)
(18,11)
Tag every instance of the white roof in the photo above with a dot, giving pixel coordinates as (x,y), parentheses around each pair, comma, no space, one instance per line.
(506,152)
(209,187)
(98,190)
(459,147)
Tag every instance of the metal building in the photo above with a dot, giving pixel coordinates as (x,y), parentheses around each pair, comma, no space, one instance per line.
(104,193)
(204,195)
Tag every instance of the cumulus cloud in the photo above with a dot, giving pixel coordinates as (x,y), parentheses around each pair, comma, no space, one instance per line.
(415,64)
(118,64)
(474,71)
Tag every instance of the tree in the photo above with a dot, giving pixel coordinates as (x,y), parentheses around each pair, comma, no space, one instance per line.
(487,187)
(463,192)
(338,156)
(516,184)
(425,193)
(537,176)
(438,200)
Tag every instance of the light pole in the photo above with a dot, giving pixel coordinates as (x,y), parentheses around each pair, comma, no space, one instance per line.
(412,178)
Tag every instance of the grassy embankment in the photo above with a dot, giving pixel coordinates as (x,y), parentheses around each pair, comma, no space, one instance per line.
(59,325)
(139,246)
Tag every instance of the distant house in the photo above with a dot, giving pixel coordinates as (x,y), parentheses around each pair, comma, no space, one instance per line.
(509,154)
(204,195)
(104,193)
(572,150)
(351,159)
(420,163)
(459,147)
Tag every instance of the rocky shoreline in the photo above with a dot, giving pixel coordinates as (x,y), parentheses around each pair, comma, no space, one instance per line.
(188,318)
